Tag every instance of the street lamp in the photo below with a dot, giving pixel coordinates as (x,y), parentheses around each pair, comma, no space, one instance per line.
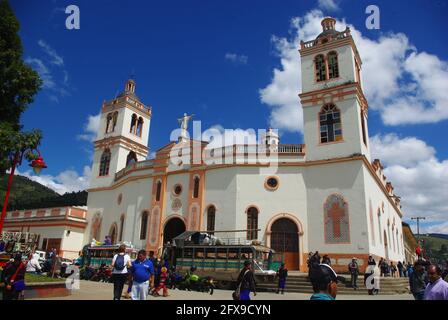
(37,164)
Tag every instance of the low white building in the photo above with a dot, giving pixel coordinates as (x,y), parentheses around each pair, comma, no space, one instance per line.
(324,195)
(59,228)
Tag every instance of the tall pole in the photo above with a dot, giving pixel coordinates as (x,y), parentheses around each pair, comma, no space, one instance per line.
(418,226)
(8,190)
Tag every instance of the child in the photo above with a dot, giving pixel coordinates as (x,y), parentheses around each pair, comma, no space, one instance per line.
(162,283)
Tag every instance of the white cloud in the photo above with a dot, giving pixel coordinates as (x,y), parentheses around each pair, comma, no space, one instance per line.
(236,58)
(329,5)
(51,70)
(406,86)
(406,152)
(66,181)
(56,59)
(43,71)
(91,128)
(416,174)
(438,228)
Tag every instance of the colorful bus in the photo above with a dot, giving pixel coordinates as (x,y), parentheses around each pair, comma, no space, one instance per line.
(221,261)
(103,254)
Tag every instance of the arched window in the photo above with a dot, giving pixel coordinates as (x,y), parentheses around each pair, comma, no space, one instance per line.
(108,122)
(330,124)
(104,163)
(252,223)
(144,225)
(363,127)
(139,126)
(158,190)
(120,237)
(113,233)
(372,224)
(379,225)
(336,220)
(321,72)
(133,123)
(131,158)
(333,67)
(394,240)
(196,187)
(114,120)
(211,219)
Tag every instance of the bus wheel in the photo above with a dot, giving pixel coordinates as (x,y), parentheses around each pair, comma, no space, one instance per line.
(225,285)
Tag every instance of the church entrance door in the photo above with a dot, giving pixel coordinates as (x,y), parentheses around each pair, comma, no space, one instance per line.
(285,240)
(173,228)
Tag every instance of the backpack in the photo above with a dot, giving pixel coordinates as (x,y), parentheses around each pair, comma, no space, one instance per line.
(119,262)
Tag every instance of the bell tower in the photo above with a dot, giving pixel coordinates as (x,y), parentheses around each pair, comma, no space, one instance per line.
(334,105)
(122,139)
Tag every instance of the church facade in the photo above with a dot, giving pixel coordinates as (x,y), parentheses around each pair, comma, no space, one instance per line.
(326,195)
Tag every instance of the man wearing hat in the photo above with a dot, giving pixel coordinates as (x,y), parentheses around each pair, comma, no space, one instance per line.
(246,281)
(353,268)
(326,282)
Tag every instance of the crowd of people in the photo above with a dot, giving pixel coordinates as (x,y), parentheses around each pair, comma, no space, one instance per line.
(426,281)
(12,279)
(148,275)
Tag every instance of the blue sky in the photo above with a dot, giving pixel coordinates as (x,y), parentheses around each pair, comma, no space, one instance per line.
(216,59)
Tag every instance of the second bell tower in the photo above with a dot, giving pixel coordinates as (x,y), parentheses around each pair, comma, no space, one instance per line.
(334,106)
(122,137)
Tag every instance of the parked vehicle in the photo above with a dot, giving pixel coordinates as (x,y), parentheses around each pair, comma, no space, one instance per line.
(98,255)
(221,262)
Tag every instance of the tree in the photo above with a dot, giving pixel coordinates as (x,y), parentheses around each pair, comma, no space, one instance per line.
(443,248)
(18,85)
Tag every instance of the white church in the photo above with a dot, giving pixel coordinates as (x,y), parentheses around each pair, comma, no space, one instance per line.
(326,195)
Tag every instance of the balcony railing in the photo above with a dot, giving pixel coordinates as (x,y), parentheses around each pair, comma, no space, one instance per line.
(138,165)
(341,35)
(256,149)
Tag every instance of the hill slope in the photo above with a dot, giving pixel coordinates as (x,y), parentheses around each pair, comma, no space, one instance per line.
(28,194)
(435,247)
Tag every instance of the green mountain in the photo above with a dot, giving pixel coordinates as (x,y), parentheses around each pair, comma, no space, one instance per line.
(28,194)
(435,247)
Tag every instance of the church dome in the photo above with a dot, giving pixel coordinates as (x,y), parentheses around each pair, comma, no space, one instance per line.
(328,27)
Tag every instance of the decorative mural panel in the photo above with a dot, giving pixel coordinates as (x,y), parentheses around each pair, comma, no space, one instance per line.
(336,219)
(154,225)
(96,227)
(194,215)
(176,204)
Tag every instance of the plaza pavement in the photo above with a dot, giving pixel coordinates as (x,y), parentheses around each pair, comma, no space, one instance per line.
(90,290)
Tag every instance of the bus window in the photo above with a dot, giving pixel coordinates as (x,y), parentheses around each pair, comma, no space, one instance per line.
(188,253)
(221,253)
(233,254)
(199,254)
(247,253)
(210,253)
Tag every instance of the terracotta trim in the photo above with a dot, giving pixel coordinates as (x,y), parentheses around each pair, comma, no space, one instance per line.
(77,224)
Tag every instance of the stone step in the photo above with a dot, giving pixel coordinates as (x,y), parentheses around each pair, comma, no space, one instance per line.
(302,285)
(347,291)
